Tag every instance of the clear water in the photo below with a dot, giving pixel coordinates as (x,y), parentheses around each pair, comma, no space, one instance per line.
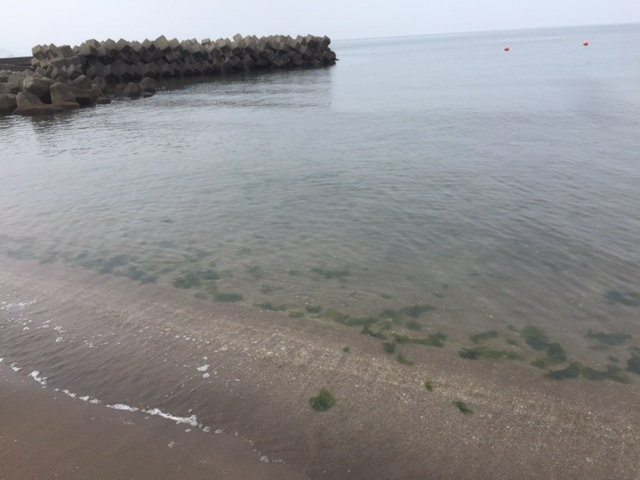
(434,184)
(497,188)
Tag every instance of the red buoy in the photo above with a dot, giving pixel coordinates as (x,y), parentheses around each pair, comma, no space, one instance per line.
(585,43)
(506,49)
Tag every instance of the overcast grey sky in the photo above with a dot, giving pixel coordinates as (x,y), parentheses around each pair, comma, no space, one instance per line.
(73,21)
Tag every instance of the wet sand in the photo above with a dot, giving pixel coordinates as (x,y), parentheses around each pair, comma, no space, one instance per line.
(44,434)
(384,425)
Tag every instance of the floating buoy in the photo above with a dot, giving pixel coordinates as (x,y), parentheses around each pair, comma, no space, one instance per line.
(585,43)
(506,49)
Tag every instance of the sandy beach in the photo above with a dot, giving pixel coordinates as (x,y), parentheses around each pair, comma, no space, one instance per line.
(147,346)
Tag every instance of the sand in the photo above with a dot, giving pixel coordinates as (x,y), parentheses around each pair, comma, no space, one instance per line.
(384,425)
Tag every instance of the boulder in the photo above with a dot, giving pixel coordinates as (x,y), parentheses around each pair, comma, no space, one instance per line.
(148,85)
(29,104)
(7,103)
(84,97)
(39,86)
(132,90)
(101,84)
(9,87)
(82,81)
(61,94)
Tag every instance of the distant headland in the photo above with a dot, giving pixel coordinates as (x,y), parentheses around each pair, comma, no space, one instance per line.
(58,78)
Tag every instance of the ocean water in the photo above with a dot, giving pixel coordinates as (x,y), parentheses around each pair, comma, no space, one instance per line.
(431,184)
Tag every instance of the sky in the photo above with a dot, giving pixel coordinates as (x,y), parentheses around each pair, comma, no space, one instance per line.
(73,21)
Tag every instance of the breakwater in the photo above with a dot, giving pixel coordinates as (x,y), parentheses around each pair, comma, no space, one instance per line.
(63,77)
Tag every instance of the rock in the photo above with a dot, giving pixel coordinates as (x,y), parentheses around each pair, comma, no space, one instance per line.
(9,87)
(29,104)
(39,86)
(83,82)
(148,85)
(61,94)
(101,83)
(132,90)
(84,97)
(7,103)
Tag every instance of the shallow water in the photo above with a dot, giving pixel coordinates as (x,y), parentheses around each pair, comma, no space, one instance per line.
(491,189)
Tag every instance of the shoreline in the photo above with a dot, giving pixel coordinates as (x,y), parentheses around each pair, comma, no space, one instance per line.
(46,434)
(385,423)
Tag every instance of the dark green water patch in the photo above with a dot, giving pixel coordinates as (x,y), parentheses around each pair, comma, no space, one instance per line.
(476,353)
(190,280)
(481,337)
(323,401)
(629,299)
(535,337)
(389,347)
(330,274)
(403,361)
(613,339)
(313,309)
(575,370)
(201,295)
(295,273)
(366,330)
(139,275)
(296,314)
(633,364)
(463,407)
(414,325)
(244,251)
(433,340)
(227,297)
(267,289)
(255,271)
(414,311)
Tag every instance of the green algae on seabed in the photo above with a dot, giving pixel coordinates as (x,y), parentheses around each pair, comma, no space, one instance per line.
(575,370)
(296,314)
(189,280)
(323,401)
(429,386)
(389,347)
(201,295)
(463,407)
(227,297)
(434,340)
(403,361)
(613,339)
(367,331)
(629,299)
(481,337)
(346,349)
(271,307)
(535,337)
(633,364)
(476,353)
(414,325)
(314,309)
(138,275)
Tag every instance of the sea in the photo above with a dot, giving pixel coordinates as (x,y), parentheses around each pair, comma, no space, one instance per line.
(422,185)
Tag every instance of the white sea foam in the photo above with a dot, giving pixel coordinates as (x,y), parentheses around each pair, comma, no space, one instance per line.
(192,420)
(203,368)
(126,408)
(36,376)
